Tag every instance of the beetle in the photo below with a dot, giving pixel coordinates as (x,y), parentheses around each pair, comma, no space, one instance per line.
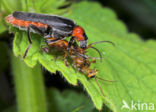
(80,60)
(48,26)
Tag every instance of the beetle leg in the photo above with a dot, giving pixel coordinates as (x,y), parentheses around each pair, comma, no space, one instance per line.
(48,32)
(36,29)
(30,43)
(70,43)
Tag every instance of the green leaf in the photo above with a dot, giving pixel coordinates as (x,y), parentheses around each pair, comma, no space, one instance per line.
(68,101)
(8,5)
(131,62)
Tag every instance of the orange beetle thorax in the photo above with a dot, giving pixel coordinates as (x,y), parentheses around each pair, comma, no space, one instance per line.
(78,33)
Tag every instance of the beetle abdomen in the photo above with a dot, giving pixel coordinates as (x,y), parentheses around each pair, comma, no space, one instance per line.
(22,23)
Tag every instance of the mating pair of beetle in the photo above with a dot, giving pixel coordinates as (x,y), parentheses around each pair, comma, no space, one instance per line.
(55,29)
(49,26)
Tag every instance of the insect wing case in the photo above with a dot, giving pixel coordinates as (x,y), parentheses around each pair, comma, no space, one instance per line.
(56,22)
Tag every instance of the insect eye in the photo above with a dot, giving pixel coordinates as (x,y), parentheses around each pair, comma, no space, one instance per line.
(85,36)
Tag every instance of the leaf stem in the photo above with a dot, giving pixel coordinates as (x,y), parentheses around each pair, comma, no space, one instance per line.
(30,91)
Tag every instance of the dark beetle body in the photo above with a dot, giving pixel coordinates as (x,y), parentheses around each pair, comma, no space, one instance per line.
(52,20)
(58,26)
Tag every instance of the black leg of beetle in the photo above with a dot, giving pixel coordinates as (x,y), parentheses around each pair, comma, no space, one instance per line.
(36,29)
(30,43)
(70,43)
(49,31)
(33,27)
(46,32)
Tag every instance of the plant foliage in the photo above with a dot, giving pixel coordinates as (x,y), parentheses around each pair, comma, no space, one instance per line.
(131,62)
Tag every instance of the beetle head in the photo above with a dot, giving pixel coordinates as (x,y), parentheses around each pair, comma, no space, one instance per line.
(83,43)
(79,34)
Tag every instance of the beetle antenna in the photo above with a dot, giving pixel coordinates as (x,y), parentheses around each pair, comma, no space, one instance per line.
(85,56)
(90,46)
(98,52)
(99,86)
(101,42)
(105,79)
